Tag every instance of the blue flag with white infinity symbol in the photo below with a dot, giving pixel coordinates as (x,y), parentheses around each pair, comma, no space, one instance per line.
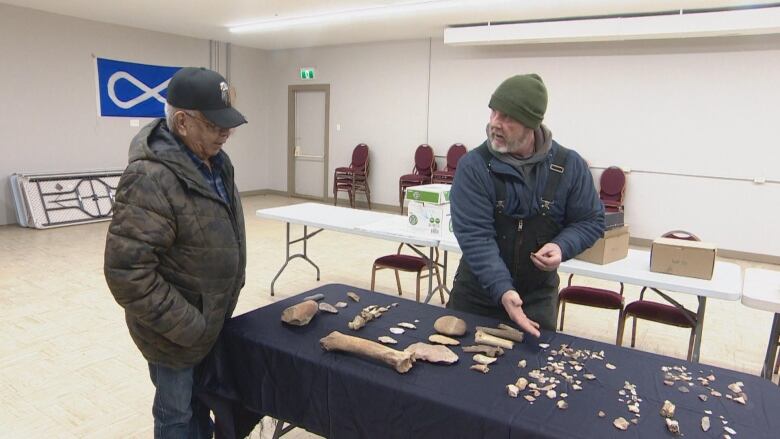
(129,89)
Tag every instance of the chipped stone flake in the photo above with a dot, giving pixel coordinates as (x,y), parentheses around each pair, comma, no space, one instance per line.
(397,331)
(610,366)
(522,363)
(705,423)
(601,414)
(683,389)
(407,325)
(387,340)
(352,295)
(563,405)
(521,383)
(544,345)
(620,423)
(529,398)
(512,390)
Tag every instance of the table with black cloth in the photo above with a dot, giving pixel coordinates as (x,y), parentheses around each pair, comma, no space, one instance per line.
(261,366)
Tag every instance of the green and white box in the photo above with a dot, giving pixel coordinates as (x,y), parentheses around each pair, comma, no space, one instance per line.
(429,193)
(428,218)
(446,229)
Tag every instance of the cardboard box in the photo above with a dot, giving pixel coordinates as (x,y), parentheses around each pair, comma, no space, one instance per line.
(446,228)
(429,193)
(428,218)
(683,258)
(612,247)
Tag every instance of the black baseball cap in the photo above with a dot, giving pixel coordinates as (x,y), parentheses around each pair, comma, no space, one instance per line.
(204,90)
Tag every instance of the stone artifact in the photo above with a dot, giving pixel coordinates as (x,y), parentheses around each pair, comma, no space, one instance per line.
(589,376)
(544,345)
(490,351)
(522,363)
(705,423)
(620,423)
(300,314)
(508,334)
(610,366)
(601,414)
(352,295)
(315,297)
(667,411)
(703,398)
(521,383)
(441,339)
(729,430)
(563,405)
(480,368)
(387,340)
(432,353)
(450,325)
(407,325)
(512,390)
(529,398)
(673,426)
(483,338)
(327,307)
(341,304)
(397,331)
(483,359)
(736,387)
(551,394)
(401,361)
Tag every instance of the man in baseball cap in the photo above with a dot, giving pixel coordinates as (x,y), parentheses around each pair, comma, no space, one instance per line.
(175,255)
(521,204)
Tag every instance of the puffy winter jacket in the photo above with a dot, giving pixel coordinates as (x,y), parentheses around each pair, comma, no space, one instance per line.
(576,207)
(175,254)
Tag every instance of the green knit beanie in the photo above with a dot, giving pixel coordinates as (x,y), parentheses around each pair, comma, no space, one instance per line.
(523,98)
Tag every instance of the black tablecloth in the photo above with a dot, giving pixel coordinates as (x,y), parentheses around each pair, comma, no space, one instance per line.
(262,366)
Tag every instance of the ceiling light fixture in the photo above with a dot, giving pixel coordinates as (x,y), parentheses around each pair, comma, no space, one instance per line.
(400,8)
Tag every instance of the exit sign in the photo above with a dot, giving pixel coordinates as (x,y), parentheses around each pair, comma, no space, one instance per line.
(307,73)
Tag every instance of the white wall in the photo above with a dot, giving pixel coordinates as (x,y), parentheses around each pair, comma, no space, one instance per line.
(704,107)
(48,115)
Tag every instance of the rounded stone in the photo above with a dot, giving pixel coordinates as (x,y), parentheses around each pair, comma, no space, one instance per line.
(450,325)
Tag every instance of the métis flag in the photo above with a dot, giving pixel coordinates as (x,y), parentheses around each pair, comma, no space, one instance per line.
(127,89)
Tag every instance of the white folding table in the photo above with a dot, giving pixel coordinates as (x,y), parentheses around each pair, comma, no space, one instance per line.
(347,220)
(726,282)
(762,291)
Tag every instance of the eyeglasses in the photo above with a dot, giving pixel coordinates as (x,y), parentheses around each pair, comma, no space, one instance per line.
(209,125)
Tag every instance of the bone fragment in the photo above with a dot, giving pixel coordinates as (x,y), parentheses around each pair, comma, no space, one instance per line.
(735,387)
(327,307)
(490,351)
(483,359)
(563,405)
(508,334)
(358,322)
(610,366)
(705,423)
(480,368)
(315,297)
(442,339)
(620,423)
(729,430)
(551,394)
(601,414)
(366,315)
(450,325)
(522,363)
(529,398)
(300,314)
(483,338)
(432,353)
(399,360)
(341,304)
(512,390)
(387,340)
(673,426)
(667,411)
(352,295)
(521,383)
(397,331)
(407,325)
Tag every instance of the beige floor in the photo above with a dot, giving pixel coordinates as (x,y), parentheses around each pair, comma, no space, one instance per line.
(68,368)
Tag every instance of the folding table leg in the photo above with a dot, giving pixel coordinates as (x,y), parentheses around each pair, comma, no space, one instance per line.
(303,255)
(771,350)
(699,327)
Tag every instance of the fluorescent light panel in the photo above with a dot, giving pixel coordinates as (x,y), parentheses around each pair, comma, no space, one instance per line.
(402,8)
(704,24)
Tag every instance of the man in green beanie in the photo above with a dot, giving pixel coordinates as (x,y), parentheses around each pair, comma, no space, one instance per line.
(521,204)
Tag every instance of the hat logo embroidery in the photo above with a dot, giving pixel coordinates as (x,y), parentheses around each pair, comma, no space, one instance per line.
(224,90)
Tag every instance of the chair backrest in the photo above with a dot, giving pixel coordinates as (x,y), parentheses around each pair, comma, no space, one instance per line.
(424,160)
(359,157)
(456,151)
(613,185)
(681,234)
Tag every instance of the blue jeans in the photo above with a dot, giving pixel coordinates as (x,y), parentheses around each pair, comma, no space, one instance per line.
(176,414)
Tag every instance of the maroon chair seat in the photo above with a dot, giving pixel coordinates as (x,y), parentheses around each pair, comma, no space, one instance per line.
(407,263)
(613,186)
(353,178)
(594,297)
(672,315)
(422,173)
(589,296)
(661,313)
(454,155)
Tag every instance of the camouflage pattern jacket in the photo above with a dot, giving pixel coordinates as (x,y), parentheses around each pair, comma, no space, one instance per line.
(175,255)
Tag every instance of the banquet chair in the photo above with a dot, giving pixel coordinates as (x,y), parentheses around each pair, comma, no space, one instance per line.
(424,165)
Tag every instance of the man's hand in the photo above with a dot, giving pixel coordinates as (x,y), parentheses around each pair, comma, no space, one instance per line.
(548,258)
(513,305)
